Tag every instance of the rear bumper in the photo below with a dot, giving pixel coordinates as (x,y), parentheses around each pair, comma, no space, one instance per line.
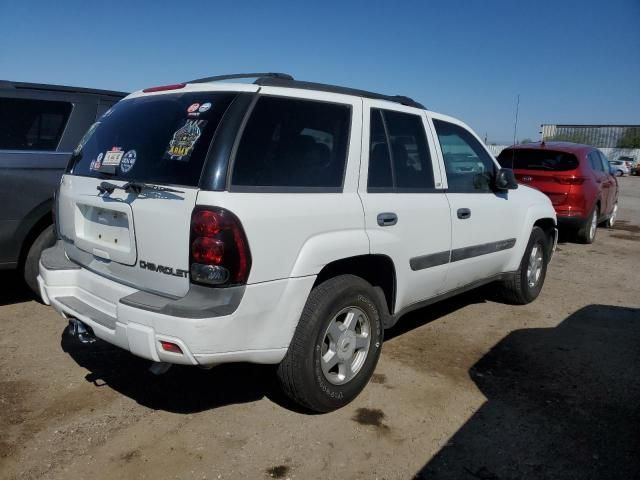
(255,325)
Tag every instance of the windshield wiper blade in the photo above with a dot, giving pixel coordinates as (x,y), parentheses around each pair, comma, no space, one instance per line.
(137,187)
(134,187)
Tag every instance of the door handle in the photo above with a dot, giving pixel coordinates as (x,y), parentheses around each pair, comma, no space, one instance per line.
(464,213)
(387,219)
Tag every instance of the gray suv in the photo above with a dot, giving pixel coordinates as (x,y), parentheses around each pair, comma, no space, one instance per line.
(40,125)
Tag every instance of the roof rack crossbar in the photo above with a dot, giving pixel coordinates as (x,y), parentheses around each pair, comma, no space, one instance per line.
(233,76)
(290,83)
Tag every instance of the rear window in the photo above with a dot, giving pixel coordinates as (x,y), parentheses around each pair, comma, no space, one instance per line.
(32,124)
(551,160)
(290,143)
(155,139)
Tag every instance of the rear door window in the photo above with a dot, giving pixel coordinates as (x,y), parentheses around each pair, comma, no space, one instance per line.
(530,159)
(595,162)
(156,139)
(290,143)
(399,158)
(32,124)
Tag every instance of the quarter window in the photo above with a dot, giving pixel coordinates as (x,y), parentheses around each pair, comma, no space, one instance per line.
(293,143)
(32,124)
(399,156)
(470,169)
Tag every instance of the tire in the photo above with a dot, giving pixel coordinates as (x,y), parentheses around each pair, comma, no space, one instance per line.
(30,268)
(587,232)
(303,375)
(521,288)
(612,218)
(619,173)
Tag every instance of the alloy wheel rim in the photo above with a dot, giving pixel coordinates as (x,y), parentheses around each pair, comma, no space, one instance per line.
(345,345)
(534,269)
(612,220)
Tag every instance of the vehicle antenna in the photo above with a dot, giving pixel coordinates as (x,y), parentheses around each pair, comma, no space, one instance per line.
(515,132)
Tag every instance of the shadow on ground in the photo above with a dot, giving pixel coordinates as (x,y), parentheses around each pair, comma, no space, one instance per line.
(183,389)
(190,389)
(13,289)
(562,402)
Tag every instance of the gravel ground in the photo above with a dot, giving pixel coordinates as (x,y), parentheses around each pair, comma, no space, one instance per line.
(468,388)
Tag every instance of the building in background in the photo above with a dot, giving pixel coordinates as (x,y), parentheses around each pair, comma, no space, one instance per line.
(602,136)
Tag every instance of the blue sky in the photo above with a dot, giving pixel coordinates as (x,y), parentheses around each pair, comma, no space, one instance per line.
(571,61)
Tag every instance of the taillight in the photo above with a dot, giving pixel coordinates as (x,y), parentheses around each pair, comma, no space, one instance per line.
(570,180)
(162,88)
(219,249)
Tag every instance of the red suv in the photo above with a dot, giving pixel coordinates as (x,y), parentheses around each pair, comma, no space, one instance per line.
(575,177)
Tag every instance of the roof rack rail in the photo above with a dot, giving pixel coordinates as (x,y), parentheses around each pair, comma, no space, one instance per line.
(275,79)
(233,76)
(323,87)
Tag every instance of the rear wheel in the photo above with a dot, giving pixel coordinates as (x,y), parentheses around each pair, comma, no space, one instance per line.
(30,269)
(524,285)
(335,347)
(587,233)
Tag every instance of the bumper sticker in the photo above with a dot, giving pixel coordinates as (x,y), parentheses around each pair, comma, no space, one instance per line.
(128,161)
(112,157)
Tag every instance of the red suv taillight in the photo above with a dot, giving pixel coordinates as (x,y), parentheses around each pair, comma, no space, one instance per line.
(569,180)
(219,249)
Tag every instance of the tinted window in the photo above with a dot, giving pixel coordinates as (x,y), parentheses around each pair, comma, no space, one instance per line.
(549,160)
(470,169)
(595,162)
(155,139)
(293,143)
(399,156)
(605,161)
(32,124)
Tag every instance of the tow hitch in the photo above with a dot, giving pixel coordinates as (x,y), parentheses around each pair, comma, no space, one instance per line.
(81,331)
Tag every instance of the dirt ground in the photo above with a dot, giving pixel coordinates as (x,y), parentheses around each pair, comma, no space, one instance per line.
(466,389)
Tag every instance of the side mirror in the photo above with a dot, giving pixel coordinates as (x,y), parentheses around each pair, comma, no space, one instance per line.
(505,180)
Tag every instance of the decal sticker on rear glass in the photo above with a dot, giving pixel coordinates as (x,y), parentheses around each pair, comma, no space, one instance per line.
(128,161)
(193,107)
(112,157)
(85,138)
(204,107)
(184,140)
(96,163)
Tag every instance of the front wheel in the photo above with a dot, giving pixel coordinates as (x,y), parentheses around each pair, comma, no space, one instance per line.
(336,345)
(612,219)
(525,284)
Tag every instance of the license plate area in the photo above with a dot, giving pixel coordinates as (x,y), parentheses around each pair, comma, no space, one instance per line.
(106,231)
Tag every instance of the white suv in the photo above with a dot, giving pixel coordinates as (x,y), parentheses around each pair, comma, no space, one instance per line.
(282,222)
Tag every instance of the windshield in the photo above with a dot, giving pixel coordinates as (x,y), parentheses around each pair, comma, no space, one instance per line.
(550,160)
(155,139)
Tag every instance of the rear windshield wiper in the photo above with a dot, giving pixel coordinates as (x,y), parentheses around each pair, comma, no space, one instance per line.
(135,187)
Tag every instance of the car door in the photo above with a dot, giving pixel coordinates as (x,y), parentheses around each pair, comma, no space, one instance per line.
(406,211)
(602,177)
(484,223)
(611,183)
